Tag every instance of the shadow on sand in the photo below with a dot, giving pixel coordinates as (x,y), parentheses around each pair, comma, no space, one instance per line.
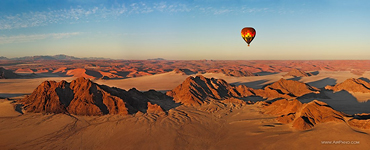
(254,84)
(314,73)
(11,95)
(365,79)
(295,78)
(253,98)
(19,108)
(323,82)
(266,73)
(342,101)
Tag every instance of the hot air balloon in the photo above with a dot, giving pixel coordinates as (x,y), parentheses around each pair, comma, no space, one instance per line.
(248,34)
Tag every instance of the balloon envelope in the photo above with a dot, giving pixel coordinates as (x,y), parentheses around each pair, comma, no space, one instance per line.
(248,34)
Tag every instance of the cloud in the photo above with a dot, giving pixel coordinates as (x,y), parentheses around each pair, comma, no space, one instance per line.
(222,11)
(97,13)
(34,37)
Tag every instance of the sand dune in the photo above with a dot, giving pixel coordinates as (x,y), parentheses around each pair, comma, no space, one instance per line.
(79,72)
(167,81)
(7,74)
(137,68)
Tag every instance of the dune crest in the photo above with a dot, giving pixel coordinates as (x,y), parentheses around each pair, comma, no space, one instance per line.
(80,72)
(24,70)
(297,73)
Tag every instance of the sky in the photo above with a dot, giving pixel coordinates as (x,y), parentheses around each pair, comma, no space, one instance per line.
(186,29)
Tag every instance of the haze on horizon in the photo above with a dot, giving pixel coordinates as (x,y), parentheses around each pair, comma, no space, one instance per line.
(195,29)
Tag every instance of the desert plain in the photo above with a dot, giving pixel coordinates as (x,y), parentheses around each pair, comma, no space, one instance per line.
(62,102)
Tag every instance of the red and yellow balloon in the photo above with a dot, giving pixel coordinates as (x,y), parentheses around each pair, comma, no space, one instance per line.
(248,34)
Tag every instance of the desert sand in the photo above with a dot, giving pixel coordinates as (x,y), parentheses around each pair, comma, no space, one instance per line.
(213,124)
(183,128)
(7,109)
(167,81)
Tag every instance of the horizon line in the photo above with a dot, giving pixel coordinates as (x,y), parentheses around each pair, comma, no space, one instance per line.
(161,58)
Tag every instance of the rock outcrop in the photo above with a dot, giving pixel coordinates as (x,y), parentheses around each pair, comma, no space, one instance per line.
(154,109)
(283,107)
(287,89)
(84,97)
(351,85)
(303,116)
(293,88)
(49,96)
(270,94)
(93,99)
(195,90)
(297,73)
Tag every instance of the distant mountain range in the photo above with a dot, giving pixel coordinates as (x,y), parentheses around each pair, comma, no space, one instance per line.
(3,58)
(156,59)
(48,57)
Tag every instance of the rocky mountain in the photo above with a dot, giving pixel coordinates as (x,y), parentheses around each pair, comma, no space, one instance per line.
(84,97)
(3,58)
(194,91)
(351,85)
(292,88)
(303,116)
(154,109)
(156,59)
(46,57)
(7,74)
(283,107)
(297,73)
(55,57)
(269,93)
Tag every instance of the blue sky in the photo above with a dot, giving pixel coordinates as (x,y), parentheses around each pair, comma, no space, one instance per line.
(186,29)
